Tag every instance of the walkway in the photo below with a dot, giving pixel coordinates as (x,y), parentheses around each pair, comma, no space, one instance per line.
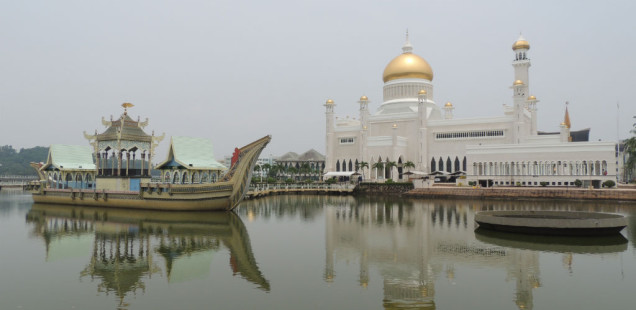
(260,190)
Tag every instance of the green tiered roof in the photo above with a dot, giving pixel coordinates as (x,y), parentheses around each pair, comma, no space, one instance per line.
(191,153)
(66,157)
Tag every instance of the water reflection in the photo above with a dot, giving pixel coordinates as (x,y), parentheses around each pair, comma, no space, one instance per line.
(414,243)
(124,245)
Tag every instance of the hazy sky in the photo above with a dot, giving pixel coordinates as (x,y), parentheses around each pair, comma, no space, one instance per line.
(233,71)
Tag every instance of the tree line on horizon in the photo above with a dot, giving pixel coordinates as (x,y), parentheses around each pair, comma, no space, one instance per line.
(14,162)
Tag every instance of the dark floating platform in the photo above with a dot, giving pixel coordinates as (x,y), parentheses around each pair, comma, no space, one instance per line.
(614,243)
(559,223)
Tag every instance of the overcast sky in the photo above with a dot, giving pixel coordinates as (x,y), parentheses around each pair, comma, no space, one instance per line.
(233,71)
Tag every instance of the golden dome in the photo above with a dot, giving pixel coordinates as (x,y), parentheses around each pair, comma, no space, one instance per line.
(521,43)
(448,104)
(421,92)
(532,98)
(329,101)
(394,125)
(518,82)
(407,65)
(364,98)
(563,124)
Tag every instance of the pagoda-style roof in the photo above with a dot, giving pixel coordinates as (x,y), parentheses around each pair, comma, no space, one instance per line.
(130,130)
(191,153)
(69,157)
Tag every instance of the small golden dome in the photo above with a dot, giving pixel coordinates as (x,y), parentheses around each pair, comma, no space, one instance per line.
(364,98)
(521,43)
(448,104)
(407,65)
(329,101)
(518,82)
(394,125)
(563,124)
(532,98)
(422,92)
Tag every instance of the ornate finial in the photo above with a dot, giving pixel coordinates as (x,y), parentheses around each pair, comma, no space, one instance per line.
(407,48)
(127,105)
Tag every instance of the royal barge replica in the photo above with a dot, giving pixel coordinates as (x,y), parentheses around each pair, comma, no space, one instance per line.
(115,171)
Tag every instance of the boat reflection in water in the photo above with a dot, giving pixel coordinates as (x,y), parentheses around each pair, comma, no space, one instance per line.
(123,244)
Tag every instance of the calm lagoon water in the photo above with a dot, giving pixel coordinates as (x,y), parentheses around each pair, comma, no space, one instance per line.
(306,252)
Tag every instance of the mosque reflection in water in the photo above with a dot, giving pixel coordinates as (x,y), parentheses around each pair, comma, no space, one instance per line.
(124,244)
(413,243)
(403,246)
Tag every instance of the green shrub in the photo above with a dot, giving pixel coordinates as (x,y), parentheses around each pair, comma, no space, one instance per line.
(544,184)
(388,181)
(578,183)
(460,184)
(518,184)
(472,183)
(609,184)
(330,181)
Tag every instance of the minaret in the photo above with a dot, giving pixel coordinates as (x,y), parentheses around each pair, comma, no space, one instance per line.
(364,123)
(521,64)
(532,106)
(448,110)
(329,143)
(422,98)
(519,89)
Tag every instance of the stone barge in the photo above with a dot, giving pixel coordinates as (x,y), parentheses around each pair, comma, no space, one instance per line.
(560,223)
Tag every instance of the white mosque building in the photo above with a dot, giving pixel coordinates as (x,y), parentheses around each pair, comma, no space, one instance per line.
(502,150)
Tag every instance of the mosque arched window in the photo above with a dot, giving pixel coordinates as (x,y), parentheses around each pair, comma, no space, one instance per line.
(433,165)
(441,165)
(337,165)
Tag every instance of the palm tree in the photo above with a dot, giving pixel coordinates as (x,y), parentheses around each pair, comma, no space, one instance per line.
(266,167)
(292,170)
(390,165)
(379,165)
(362,165)
(409,164)
(258,168)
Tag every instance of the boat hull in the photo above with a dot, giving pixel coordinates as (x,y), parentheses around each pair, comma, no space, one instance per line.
(561,223)
(135,200)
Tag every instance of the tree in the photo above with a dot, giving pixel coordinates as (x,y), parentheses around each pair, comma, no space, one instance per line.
(292,171)
(390,165)
(408,165)
(362,165)
(379,165)
(630,150)
(258,168)
(266,167)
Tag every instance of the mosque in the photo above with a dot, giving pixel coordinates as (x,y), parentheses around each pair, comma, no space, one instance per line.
(409,130)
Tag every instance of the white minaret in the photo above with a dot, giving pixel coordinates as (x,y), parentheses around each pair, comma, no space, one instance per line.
(521,63)
(364,123)
(532,106)
(519,98)
(521,87)
(422,159)
(330,142)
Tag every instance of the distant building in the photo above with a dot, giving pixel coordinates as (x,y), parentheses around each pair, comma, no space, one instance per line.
(310,163)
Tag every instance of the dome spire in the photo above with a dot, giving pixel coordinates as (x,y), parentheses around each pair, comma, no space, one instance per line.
(407,48)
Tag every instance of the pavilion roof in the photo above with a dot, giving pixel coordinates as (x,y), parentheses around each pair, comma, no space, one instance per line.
(191,153)
(69,157)
(131,130)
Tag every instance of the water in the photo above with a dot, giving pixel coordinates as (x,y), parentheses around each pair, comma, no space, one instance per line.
(306,252)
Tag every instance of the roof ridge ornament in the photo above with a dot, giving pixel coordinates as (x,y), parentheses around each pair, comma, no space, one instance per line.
(127,105)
